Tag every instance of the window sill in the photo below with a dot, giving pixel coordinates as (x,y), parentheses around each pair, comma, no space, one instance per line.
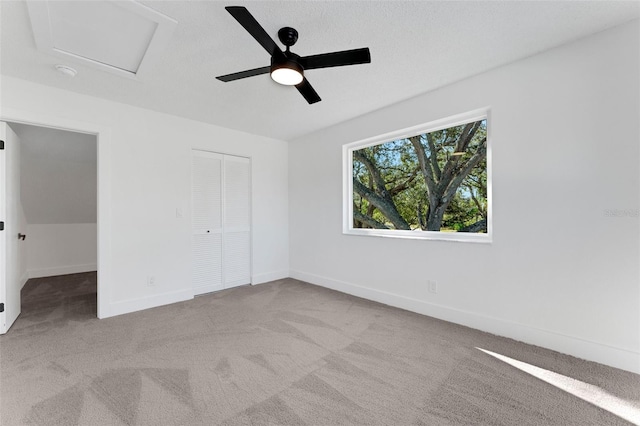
(423,235)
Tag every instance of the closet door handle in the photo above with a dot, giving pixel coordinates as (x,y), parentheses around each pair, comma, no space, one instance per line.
(21,236)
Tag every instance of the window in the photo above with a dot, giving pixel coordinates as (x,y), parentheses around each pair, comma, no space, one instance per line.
(430,182)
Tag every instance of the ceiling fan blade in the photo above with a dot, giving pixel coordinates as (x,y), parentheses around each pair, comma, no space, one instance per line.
(308,92)
(336,59)
(244,74)
(250,24)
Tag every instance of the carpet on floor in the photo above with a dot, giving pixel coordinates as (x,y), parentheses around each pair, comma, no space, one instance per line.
(283,353)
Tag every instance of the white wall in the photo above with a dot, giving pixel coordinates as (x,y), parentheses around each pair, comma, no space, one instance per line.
(144,160)
(58,189)
(58,249)
(560,273)
(58,175)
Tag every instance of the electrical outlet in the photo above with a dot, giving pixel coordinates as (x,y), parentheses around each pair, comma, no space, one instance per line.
(432,287)
(151,281)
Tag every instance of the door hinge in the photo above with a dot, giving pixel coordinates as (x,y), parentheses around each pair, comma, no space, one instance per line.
(1,144)
(1,226)
(1,307)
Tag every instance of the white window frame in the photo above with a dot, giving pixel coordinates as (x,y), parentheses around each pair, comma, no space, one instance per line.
(347,179)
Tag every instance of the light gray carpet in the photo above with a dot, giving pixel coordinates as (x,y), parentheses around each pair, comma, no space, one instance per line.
(286,353)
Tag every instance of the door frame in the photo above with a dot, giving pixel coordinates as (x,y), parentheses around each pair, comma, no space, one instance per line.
(103,141)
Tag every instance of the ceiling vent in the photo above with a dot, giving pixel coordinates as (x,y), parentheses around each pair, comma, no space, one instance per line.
(114,36)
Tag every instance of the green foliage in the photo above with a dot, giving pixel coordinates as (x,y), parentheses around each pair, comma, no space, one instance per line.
(398,164)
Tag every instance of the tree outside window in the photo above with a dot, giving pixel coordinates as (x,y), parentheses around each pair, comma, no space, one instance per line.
(432,181)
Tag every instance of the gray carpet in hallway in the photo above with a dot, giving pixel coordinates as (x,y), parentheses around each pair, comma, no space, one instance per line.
(282,353)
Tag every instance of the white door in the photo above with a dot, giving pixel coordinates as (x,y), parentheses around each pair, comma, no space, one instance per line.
(9,214)
(237,221)
(206,223)
(221,231)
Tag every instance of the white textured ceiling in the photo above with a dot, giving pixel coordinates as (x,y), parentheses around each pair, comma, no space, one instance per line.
(415,47)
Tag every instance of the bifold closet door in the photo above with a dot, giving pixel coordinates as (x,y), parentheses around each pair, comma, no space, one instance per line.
(237,221)
(206,238)
(221,221)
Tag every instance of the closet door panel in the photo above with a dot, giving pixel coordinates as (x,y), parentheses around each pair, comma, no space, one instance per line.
(206,238)
(206,190)
(237,221)
(207,263)
(221,221)
(237,258)
(237,196)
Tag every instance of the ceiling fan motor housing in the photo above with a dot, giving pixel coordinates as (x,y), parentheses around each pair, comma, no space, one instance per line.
(288,36)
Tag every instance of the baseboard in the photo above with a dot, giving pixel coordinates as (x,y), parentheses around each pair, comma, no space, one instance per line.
(269,276)
(61,270)
(592,351)
(135,305)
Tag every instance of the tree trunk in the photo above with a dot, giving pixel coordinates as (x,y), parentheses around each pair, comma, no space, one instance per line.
(480,225)
(384,205)
(379,197)
(442,185)
(434,218)
(368,221)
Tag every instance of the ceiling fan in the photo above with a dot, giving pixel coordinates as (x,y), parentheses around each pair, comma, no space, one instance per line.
(286,67)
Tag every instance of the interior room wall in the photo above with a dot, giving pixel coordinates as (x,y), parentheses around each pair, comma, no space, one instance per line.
(562,271)
(58,188)
(149,158)
(63,248)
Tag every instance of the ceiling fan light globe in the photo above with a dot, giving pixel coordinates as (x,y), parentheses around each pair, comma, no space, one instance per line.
(286,76)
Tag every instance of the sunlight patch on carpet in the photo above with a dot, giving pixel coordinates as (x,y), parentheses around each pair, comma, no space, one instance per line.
(585,391)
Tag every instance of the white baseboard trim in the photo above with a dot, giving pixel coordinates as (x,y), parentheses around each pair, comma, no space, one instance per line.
(62,270)
(592,351)
(134,305)
(269,276)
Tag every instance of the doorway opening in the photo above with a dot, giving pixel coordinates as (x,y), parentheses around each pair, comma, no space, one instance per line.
(58,194)
(56,201)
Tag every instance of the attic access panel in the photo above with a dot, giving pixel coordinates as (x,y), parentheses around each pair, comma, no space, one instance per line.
(114,36)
